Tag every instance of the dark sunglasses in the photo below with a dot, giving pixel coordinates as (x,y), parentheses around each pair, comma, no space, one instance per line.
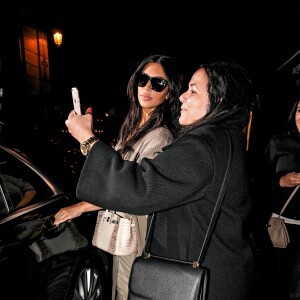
(158,84)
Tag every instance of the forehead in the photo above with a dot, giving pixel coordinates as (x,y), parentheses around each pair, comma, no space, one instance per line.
(199,78)
(153,68)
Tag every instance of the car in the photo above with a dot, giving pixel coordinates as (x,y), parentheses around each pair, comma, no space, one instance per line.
(36,259)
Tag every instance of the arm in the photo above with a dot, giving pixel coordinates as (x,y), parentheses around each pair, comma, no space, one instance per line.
(290,179)
(28,196)
(26,192)
(156,184)
(81,129)
(73,211)
(285,177)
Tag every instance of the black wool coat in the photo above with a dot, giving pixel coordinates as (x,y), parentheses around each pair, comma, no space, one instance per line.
(182,184)
(283,156)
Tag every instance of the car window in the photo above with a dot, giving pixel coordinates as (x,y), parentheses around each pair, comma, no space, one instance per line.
(20,185)
(5,201)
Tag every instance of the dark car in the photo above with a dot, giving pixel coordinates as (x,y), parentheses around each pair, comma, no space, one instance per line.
(39,260)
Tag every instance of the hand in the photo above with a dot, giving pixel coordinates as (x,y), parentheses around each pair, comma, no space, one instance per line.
(80,126)
(73,211)
(290,179)
(66,214)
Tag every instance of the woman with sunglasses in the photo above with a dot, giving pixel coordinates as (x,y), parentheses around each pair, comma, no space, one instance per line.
(153,91)
(181,184)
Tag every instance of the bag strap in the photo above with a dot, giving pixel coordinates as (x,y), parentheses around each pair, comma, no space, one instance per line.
(212,220)
(288,200)
(220,198)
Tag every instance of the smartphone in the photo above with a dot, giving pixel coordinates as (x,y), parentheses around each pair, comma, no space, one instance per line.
(76,100)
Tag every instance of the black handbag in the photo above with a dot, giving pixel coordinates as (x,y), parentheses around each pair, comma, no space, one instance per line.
(57,239)
(155,277)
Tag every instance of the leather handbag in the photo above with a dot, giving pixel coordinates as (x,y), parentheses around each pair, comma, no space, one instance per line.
(155,277)
(116,233)
(277,230)
(54,240)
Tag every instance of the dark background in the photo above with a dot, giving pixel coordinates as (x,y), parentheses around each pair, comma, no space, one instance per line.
(103,43)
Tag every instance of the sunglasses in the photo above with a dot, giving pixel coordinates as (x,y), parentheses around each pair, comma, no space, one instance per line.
(158,84)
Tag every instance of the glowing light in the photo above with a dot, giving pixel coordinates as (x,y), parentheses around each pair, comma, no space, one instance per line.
(57,38)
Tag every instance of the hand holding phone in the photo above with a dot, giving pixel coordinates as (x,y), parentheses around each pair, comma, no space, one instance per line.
(76,100)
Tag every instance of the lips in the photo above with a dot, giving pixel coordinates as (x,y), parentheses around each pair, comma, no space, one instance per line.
(145,97)
(183,109)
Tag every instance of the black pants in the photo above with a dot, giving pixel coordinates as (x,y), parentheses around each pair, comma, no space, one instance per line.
(286,277)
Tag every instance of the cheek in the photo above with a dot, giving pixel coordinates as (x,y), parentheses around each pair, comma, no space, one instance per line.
(199,110)
(298,123)
(190,116)
(159,100)
(195,111)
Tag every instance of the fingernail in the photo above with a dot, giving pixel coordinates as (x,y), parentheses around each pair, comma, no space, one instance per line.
(90,109)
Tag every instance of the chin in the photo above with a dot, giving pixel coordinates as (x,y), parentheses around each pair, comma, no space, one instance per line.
(181,122)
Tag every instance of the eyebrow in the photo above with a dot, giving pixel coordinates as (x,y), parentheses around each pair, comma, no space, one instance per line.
(156,76)
(193,85)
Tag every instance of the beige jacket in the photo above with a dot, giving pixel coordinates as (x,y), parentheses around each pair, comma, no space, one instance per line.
(147,147)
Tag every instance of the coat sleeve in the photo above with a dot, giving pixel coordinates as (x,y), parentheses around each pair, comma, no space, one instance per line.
(176,176)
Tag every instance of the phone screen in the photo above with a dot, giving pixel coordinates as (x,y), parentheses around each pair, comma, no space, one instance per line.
(76,100)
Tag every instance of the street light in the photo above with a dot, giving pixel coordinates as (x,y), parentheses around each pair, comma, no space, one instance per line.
(57,38)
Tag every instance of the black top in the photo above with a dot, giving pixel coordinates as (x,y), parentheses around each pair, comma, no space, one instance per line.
(283,155)
(182,184)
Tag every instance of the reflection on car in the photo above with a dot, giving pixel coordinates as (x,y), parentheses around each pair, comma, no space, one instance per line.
(36,262)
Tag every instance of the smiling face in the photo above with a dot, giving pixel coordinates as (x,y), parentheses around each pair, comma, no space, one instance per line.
(148,98)
(195,101)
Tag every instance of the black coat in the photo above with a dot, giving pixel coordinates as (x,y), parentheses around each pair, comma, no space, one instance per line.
(283,156)
(182,184)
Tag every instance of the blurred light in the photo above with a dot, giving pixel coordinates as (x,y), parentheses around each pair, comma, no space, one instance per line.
(58,38)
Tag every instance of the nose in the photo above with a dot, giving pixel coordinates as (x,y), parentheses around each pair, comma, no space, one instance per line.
(182,98)
(148,85)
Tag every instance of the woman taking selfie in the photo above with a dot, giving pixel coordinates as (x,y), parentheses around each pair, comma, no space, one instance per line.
(181,184)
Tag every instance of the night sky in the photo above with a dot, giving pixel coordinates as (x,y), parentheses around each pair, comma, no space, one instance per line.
(104,42)
(104,45)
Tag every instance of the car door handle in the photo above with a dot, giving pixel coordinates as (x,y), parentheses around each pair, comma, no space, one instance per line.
(50,231)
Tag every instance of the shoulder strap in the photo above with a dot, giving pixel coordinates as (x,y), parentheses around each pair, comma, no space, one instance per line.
(220,198)
(214,214)
(288,200)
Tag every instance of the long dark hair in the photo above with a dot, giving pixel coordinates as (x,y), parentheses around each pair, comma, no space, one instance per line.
(164,114)
(229,87)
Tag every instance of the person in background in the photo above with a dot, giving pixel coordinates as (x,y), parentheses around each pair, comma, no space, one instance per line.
(181,184)
(282,155)
(20,191)
(153,91)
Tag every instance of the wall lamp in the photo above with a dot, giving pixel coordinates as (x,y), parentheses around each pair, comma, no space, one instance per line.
(57,36)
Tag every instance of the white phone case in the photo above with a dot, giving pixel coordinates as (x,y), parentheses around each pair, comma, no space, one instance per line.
(76,100)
